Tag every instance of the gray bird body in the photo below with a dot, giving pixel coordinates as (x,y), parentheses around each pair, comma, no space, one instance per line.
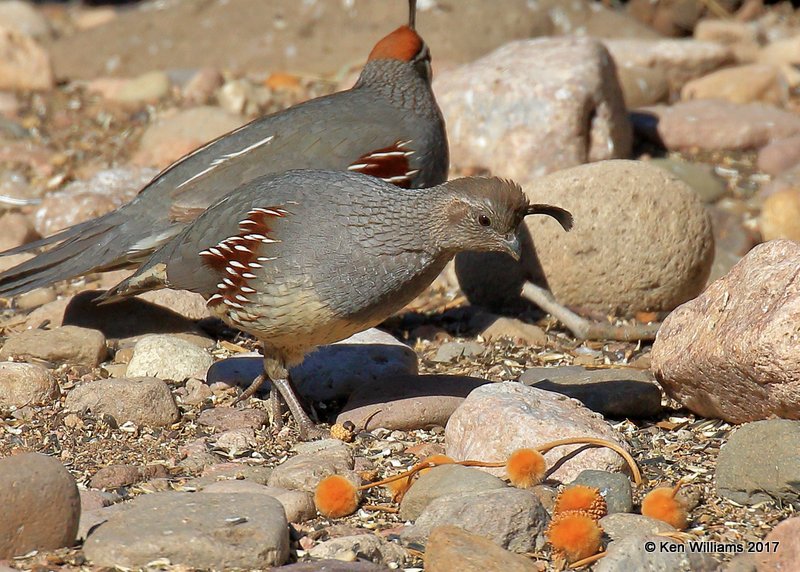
(305,258)
(392,104)
(349,251)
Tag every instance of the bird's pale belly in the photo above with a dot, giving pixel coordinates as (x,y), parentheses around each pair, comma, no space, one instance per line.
(293,323)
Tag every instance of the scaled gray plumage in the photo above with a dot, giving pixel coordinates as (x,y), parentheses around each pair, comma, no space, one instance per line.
(306,258)
(388,125)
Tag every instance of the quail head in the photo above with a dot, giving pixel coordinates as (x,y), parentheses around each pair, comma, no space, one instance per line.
(388,126)
(306,258)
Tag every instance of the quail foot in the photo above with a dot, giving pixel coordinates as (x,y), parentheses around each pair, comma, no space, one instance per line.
(388,126)
(306,258)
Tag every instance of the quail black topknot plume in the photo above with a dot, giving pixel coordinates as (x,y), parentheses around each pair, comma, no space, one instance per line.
(388,126)
(306,258)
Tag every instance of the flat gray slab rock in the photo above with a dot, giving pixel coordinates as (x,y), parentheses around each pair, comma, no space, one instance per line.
(760,462)
(443,481)
(407,402)
(510,517)
(611,392)
(298,505)
(39,503)
(530,417)
(622,525)
(194,530)
(333,371)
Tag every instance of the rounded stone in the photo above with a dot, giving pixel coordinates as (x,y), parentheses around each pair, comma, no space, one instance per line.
(41,506)
(24,384)
(642,240)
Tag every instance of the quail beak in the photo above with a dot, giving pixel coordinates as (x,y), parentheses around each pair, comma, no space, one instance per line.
(513,246)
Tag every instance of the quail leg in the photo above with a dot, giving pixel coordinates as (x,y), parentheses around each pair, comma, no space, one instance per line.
(252,388)
(279,376)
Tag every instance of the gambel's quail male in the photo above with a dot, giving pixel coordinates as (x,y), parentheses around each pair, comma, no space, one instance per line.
(388,125)
(306,258)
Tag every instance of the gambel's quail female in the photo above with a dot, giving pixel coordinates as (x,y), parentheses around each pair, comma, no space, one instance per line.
(388,125)
(306,258)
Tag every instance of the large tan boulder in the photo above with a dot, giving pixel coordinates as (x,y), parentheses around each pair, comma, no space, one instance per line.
(642,240)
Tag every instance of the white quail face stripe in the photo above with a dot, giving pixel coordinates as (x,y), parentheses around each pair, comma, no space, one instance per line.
(235,257)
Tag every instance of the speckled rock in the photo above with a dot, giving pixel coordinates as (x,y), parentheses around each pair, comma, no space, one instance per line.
(512,518)
(168,357)
(630,554)
(314,462)
(615,488)
(530,417)
(363,546)
(40,504)
(24,384)
(535,106)
(217,531)
(69,344)
(732,352)
(443,481)
(144,401)
(622,525)
(614,204)
(299,505)
(787,557)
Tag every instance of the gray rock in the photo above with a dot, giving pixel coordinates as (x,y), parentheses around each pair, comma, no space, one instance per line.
(194,530)
(332,372)
(168,357)
(642,86)
(452,351)
(530,417)
(515,330)
(367,546)
(220,471)
(630,554)
(144,401)
(313,463)
(69,344)
(298,505)
(732,352)
(407,402)
(535,106)
(621,525)
(40,504)
(702,179)
(612,392)
(614,204)
(512,518)
(444,481)
(761,461)
(190,305)
(451,549)
(615,488)
(24,384)
(91,519)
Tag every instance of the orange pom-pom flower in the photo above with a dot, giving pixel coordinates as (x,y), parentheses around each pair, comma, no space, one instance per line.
(583,498)
(574,535)
(526,468)
(336,496)
(661,503)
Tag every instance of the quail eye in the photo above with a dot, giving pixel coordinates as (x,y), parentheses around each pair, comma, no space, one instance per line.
(484,220)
